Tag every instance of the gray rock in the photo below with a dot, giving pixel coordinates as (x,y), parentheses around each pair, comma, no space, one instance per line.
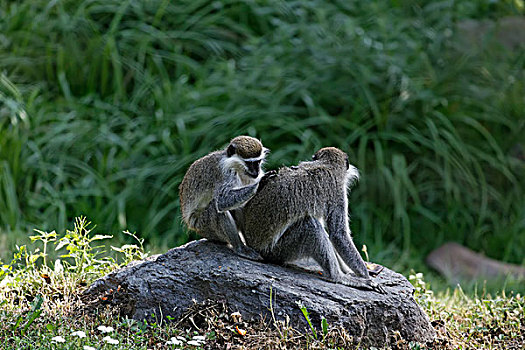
(168,284)
(458,263)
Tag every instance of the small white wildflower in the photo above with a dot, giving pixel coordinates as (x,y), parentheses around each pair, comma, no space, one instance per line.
(194,343)
(199,338)
(174,341)
(87,347)
(105,329)
(58,339)
(58,267)
(181,338)
(110,340)
(80,334)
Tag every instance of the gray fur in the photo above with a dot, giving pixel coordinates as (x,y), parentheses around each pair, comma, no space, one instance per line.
(213,186)
(302,212)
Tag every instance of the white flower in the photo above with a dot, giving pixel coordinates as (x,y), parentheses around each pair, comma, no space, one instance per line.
(80,334)
(110,340)
(199,338)
(86,347)
(174,341)
(194,343)
(105,329)
(181,338)
(58,339)
(58,267)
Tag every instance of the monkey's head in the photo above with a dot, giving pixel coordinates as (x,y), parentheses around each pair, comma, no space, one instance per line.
(332,155)
(246,155)
(336,157)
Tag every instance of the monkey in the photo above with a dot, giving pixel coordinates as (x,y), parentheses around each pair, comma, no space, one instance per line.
(219,183)
(302,212)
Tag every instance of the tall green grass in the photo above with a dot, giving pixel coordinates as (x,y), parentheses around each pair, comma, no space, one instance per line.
(104,104)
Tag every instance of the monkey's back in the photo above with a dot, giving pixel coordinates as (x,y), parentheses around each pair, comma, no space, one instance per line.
(292,194)
(199,183)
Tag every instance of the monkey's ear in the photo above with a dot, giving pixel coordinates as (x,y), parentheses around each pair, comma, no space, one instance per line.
(231,150)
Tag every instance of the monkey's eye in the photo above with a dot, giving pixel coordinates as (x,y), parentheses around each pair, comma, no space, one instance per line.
(314,157)
(252,163)
(253,167)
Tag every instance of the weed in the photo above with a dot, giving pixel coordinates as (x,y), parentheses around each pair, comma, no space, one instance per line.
(30,275)
(103,106)
(307,318)
(36,301)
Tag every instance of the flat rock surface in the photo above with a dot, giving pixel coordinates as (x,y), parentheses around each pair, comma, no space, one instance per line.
(167,284)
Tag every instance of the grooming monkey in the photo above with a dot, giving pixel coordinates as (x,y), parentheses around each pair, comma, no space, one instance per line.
(218,183)
(302,212)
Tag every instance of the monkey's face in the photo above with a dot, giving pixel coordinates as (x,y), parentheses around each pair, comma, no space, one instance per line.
(246,156)
(248,170)
(253,168)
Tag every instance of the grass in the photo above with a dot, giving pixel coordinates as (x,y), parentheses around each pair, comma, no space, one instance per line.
(104,104)
(41,308)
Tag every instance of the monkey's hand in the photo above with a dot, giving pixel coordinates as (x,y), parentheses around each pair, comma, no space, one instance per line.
(267,176)
(248,253)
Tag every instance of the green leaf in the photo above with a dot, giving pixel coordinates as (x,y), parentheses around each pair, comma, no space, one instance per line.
(99,237)
(324,326)
(307,317)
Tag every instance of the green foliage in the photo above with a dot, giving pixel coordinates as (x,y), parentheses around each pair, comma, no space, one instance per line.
(104,105)
(38,302)
(324,323)
(422,292)
(33,314)
(485,321)
(324,327)
(306,315)
(31,276)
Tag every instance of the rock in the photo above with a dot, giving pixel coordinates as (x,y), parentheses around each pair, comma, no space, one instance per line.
(458,263)
(167,284)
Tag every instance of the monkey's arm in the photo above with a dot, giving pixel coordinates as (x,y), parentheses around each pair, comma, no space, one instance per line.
(229,197)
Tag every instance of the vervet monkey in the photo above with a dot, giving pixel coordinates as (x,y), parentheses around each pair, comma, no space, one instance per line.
(302,212)
(218,183)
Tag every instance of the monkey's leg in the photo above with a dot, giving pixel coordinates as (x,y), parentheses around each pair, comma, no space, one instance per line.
(221,227)
(308,238)
(343,265)
(339,232)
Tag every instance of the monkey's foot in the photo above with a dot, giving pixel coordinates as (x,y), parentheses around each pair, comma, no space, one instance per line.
(248,253)
(376,287)
(374,269)
(361,283)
